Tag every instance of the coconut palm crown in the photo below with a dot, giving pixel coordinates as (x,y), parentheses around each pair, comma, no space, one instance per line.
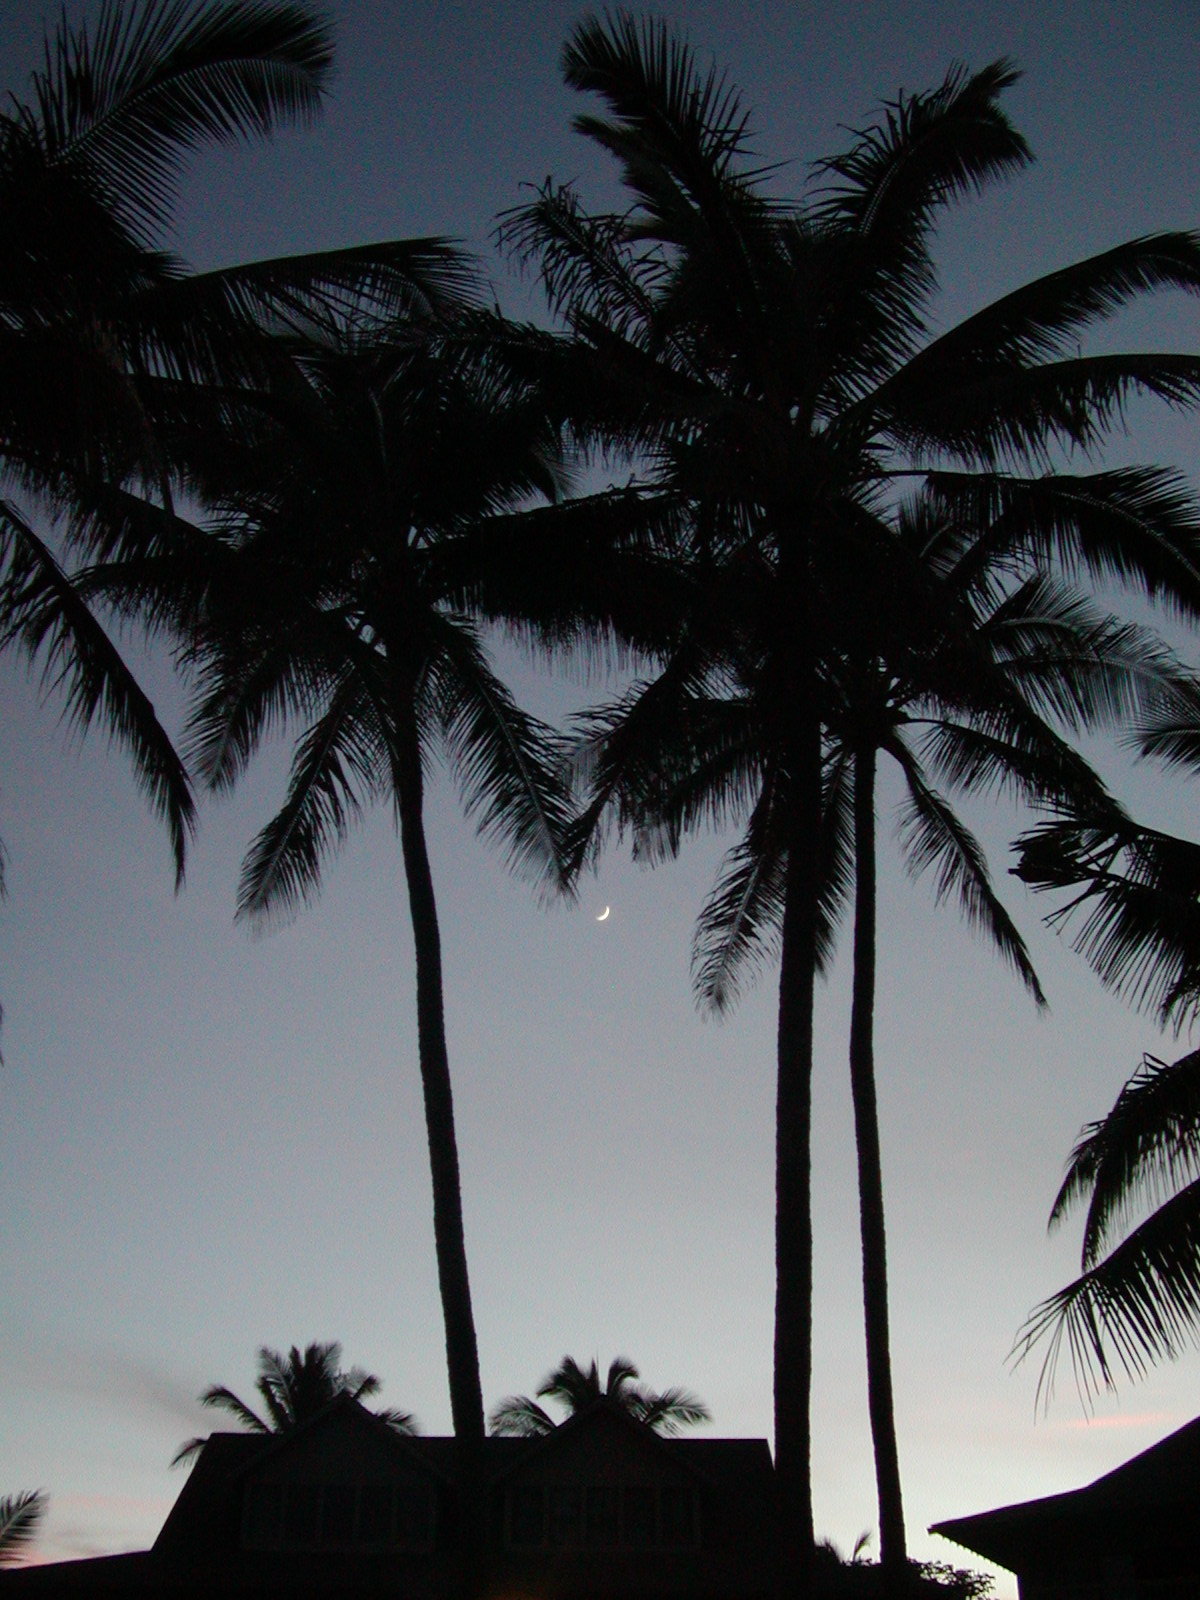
(294,1388)
(576,1388)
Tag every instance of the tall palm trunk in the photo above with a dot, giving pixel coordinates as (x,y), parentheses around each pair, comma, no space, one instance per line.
(462,1351)
(892,1546)
(793,1116)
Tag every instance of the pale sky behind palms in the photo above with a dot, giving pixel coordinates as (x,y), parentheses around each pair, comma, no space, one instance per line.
(208,1142)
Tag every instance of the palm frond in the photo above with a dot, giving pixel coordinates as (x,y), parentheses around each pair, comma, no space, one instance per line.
(223,1399)
(1042,320)
(924,150)
(738,929)
(1081,666)
(19,1518)
(43,612)
(578,1386)
(1003,414)
(1139,1305)
(671,1410)
(122,103)
(587,265)
(198,325)
(338,763)
(878,198)
(1139,526)
(1169,728)
(399,1421)
(251,685)
(667,111)
(1135,903)
(519,1417)
(1143,1149)
(934,837)
(507,763)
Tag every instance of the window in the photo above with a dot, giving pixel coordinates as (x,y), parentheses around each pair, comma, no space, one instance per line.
(313,1516)
(603,1516)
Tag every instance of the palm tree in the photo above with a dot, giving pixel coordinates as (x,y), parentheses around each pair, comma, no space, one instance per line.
(1137,1299)
(576,1388)
(950,668)
(19,1518)
(770,368)
(361,489)
(956,690)
(294,1388)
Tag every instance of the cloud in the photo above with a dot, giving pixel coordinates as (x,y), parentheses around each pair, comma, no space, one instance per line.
(131,1383)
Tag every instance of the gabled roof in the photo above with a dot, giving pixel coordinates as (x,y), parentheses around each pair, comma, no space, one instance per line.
(725,1464)
(600,1413)
(209,1500)
(1164,1476)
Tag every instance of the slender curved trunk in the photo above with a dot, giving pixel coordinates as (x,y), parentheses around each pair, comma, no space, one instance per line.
(462,1351)
(793,1110)
(893,1550)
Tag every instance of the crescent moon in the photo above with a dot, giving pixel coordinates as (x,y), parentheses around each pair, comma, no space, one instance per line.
(604,915)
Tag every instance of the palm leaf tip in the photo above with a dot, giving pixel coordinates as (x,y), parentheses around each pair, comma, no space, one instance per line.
(20,1515)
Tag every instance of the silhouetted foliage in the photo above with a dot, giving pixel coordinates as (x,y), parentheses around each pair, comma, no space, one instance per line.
(294,1388)
(1137,1300)
(1133,903)
(19,1518)
(575,1388)
(857,1578)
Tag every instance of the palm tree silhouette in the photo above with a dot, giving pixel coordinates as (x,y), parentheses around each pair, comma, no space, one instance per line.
(293,1389)
(19,1518)
(771,369)
(958,691)
(951,670)
(576,1388)
(368,496)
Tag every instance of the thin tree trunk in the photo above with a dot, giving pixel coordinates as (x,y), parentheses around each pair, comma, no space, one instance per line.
(462,1351)
(793,1116)
(893,1550)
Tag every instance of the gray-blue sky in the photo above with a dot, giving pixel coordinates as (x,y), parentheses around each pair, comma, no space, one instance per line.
(207,1142)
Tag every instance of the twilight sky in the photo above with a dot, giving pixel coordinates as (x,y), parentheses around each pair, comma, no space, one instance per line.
(208,1142)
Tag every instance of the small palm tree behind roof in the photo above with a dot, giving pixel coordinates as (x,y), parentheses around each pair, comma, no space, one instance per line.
(576,1388)
(293,1389)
